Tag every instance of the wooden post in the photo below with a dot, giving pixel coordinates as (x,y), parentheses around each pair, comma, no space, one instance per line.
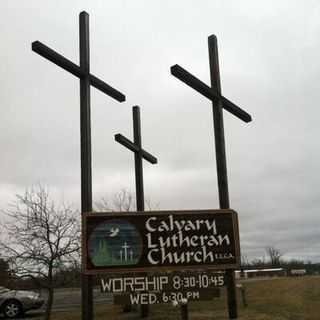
(85,142)
(221,162)
(184,311)
(144,311)
(138,158)
(242,289)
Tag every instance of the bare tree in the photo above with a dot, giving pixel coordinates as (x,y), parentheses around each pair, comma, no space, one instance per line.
(244,261)
(40,237)
(259,262)
(4,272)
(150,205)
(122,201)
(274,255)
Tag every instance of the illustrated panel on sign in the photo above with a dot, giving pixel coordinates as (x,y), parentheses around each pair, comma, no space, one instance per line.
(115,243)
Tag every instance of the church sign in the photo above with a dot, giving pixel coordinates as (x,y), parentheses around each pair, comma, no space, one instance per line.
(160,240)
(165,287)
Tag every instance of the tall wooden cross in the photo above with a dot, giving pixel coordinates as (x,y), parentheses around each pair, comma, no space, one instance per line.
(139,154)
(82,71)
(219,102)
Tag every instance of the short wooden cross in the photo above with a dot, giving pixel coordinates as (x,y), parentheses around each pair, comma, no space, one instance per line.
(139,154)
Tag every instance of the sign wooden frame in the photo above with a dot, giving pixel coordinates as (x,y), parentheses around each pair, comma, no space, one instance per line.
(93,219)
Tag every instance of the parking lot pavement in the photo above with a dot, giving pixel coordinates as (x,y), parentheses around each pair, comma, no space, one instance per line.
(66,299)
(32,315)
(71,297)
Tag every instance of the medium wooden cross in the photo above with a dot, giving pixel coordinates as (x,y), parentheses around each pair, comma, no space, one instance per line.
(139,154)
(219,102)
(212,93)
(86,80)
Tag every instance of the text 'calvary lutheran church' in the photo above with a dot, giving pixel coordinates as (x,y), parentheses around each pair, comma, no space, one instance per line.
(171,239)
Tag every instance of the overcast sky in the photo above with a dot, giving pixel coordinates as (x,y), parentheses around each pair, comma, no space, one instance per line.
(269,65)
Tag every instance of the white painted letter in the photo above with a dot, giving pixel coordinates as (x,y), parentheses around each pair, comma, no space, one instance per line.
(150,259)
(149,228)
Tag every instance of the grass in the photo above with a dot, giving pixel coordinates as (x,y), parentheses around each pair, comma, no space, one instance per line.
(272,299)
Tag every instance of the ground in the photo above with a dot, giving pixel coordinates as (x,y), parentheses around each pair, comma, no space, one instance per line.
(269,299)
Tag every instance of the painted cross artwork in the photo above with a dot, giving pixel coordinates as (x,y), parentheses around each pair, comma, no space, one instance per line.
(115,243)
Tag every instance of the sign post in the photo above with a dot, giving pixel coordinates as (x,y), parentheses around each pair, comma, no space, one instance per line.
(218,102)
(86,79)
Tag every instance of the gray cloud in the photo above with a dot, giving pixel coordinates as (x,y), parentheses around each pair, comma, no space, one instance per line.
(269,66)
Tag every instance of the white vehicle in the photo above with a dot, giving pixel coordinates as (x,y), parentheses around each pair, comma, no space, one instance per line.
(15,302)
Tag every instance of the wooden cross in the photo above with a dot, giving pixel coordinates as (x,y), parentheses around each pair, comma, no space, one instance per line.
(139,154)
(213,93)
(86,79)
